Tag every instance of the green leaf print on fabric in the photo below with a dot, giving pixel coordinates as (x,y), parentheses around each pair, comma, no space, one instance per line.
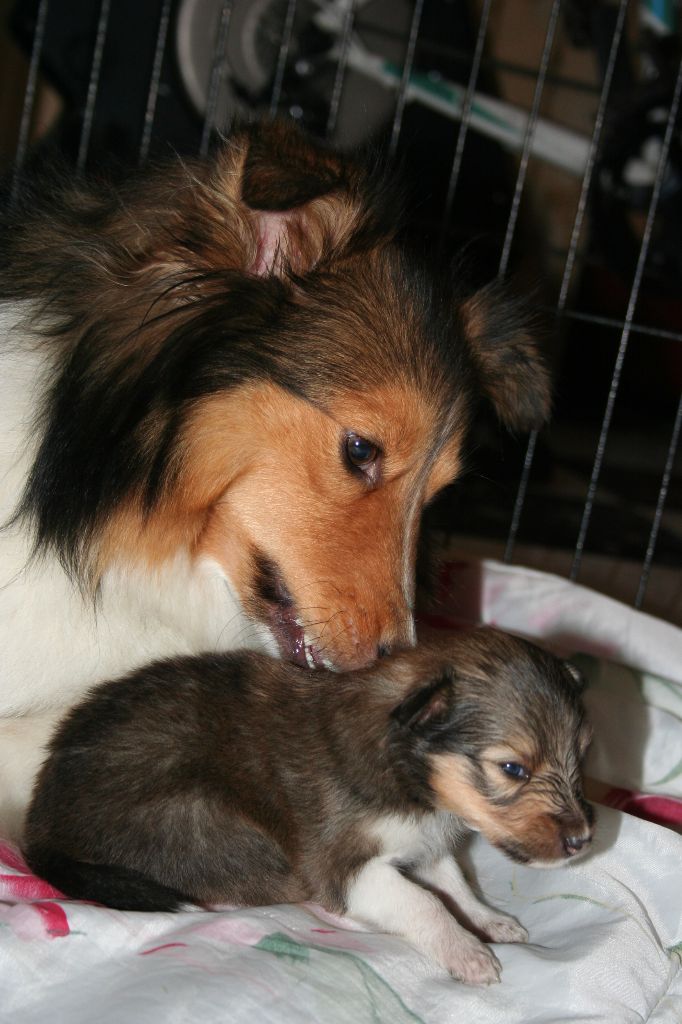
(366,996)
(282,945)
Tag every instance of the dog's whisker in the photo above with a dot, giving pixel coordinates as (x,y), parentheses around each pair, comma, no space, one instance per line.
(326,621)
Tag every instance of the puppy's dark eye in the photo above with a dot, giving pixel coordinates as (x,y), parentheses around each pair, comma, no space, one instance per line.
(515,770)
(363,455)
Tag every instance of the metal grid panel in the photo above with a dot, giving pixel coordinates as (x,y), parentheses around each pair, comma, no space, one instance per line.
(349,15)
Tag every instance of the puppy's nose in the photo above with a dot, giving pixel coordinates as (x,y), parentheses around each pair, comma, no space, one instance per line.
(574,844)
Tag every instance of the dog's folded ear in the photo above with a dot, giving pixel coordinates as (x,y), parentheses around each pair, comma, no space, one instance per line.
(428,708)
(511,371)
(299,197)
(284,169)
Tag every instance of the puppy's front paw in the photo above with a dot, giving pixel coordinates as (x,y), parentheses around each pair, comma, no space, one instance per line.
(502,928)
(472,962)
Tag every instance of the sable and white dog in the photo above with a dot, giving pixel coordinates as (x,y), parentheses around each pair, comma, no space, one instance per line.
(226,394)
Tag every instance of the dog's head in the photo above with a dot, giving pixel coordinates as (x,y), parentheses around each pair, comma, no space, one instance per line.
(498,738)
(257,373)
(377,370)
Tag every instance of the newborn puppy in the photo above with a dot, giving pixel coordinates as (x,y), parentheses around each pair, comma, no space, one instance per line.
(237,778)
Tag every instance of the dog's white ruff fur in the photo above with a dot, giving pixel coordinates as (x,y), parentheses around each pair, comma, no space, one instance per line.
(55,643)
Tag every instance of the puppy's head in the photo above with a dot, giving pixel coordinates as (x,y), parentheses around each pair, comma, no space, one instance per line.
(497,738)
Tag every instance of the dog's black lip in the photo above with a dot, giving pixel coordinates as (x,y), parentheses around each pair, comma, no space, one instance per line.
(281,616)
(270,584)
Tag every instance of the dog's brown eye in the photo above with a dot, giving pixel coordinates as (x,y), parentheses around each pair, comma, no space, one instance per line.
(515,770)
(362,455)
(360,451)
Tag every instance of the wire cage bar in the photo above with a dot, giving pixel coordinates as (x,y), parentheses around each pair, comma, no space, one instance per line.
(627,325)
(217,66)
(29,97)
(155,80)
(581,208)
(326,56)
(93,85)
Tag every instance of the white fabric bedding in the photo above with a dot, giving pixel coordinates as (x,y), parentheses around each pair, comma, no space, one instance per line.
(605,933)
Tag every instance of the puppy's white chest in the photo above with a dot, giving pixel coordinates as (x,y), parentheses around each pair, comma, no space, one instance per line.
(412,840)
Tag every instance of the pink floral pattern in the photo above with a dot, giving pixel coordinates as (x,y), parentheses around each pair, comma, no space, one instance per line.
(662,810)
(30,911)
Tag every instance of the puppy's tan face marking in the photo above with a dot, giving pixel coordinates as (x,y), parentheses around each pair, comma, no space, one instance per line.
(531,808)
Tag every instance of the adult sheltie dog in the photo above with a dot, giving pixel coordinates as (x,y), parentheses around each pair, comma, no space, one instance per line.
(226,394)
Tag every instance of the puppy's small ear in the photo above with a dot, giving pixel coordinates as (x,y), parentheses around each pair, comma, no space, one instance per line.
(426,708)
(511,371)
(576,675)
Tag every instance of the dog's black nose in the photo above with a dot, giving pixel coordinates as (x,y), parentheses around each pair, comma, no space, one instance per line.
(574,844)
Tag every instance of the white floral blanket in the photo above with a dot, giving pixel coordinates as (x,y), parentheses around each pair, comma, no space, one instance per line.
(605,933)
